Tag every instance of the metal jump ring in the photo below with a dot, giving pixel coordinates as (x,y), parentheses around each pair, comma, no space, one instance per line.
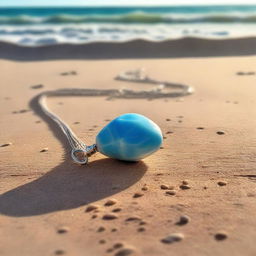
(77,160)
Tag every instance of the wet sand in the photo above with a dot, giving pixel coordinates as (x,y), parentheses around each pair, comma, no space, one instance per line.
(195,196)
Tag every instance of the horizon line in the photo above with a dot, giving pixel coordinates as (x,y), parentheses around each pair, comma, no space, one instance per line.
(124,6)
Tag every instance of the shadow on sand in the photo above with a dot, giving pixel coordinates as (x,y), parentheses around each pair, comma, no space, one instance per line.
(68,185)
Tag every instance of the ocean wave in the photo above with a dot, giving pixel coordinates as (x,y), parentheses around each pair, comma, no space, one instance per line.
(132,18)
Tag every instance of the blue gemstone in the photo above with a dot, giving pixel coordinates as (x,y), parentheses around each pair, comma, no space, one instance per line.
(129,137)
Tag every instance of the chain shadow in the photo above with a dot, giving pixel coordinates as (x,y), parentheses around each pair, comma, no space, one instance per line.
(68,186)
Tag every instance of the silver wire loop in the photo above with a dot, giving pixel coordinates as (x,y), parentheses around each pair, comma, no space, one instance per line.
(77,158)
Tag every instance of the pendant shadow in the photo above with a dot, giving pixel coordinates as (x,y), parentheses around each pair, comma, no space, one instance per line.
(68,185)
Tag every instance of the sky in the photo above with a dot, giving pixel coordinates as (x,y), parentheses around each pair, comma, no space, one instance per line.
(7,3)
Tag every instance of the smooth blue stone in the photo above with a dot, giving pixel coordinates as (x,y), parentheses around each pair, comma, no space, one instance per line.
(129,137)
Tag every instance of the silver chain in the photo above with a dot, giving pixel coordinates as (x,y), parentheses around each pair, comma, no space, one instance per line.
(79,150)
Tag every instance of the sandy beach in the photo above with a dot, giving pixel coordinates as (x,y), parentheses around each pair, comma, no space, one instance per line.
(207,159)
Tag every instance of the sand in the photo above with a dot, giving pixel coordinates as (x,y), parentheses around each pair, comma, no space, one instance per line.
(43,192)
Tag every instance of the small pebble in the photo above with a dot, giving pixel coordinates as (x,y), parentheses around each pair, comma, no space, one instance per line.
(23,111)
(175,237)
(138,194)
(220,132)
(184,187)
(113,229)
(63,230)
(125,252)
(110,202)
(222,183)
(94,216)
(163,186)
(168,119)
(144,188)
(102,241)
(117,210)
(109,250)
(118,245)
(220,236)
(44,150)
(6,144)
(38,86)
(183,220)
(101,229)
(91,208)
(200,128)
(169,132)
(143,223)
(60,252)
(170,192)
(133,219)
(109,216)
(76,122)
(185,182)
(38,122)
(141,229)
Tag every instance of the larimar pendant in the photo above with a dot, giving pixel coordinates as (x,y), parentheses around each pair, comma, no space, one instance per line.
(129,137)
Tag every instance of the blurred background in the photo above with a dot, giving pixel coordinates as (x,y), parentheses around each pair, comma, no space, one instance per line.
(47,22)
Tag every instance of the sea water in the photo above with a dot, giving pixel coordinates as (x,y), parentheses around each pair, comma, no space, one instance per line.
(44,26)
